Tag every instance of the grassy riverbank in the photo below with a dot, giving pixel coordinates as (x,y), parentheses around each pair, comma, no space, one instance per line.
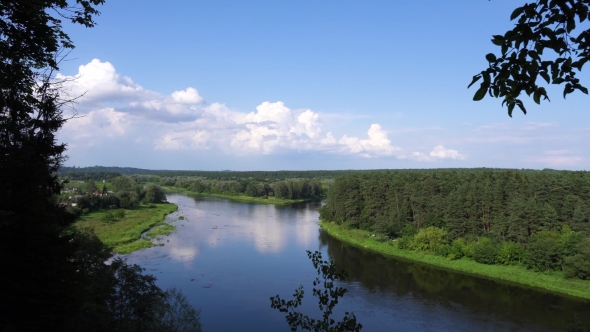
(238,198)
(553,281)
(124,234)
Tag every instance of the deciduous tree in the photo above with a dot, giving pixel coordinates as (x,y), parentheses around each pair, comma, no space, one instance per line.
(546,46)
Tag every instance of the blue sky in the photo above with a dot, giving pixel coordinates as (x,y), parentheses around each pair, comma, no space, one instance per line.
(268,85)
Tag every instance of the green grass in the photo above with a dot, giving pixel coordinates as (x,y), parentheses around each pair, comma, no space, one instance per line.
(551,281)
(239,198)
(123,234)
(165,229)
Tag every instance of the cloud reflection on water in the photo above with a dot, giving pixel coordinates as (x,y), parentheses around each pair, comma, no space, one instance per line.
(217,224)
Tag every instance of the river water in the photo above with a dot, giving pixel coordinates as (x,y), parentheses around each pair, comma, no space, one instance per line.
(229,258)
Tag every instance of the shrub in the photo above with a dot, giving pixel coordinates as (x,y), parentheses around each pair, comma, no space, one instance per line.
(404,242)
(456,249)
(510,253)
(409,230)
(569,241)
(443,250)
(578,265)
(109,216)
(485,251)
(429,239)
(542,254)
(120,213)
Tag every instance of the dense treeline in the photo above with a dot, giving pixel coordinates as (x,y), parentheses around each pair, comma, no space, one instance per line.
(231,175)
(85,176)
(137,187)
(536,218)
(287,189)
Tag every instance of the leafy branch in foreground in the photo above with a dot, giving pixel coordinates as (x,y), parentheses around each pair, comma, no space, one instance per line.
(328,296)
(544,25)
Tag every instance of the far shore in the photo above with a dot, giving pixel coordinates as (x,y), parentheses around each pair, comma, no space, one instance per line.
(241,198)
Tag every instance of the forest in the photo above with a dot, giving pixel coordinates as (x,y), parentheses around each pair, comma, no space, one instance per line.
(539,219)
(95,172)
(289,188)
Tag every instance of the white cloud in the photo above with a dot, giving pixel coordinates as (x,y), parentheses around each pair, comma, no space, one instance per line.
(377,144)
(96,126)
(188,96)
(99,82)
(114,106)
(441,152)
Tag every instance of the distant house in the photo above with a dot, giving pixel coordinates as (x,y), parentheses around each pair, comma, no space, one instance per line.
(74,199)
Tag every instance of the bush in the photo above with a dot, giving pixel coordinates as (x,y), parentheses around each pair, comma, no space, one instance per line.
(109,216)
(542,254)
(429,239)
(409,230)
(569,241)
(510,253)
(456,249)
(485,251)
(443,250)
(120,213)
(578,265)
(404,242)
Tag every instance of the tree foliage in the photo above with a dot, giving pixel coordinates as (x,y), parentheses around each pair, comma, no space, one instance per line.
(327,293)
(53,278)
(544,44)
(533,218)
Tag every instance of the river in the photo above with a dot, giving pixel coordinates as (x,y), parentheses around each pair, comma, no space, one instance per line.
(229,258)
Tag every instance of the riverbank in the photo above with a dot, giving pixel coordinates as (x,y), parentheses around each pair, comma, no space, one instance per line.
(124,233)
(239,198)
(554,281)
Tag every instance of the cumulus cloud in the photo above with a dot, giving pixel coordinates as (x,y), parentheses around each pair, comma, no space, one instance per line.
(438,152)
(98,82)
(441,152)
(376,144)
(188,96)
(97,126)
(114,106)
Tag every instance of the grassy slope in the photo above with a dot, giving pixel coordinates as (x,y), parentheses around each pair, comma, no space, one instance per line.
(553,281)
(123,234)
(238,198)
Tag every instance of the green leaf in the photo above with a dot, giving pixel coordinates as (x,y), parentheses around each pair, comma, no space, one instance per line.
(475,79)
(521,106)
(516,13)
(480,93)
(537,97)
(498,40)
(491,57)
(558,80)
(510,108)
(545,76)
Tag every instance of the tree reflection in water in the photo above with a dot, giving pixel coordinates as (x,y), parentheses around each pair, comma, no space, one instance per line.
(401,278)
